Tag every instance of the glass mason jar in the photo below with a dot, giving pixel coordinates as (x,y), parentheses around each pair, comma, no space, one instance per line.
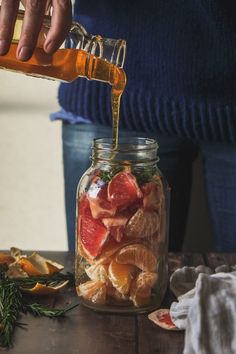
(80,55)
(122,228)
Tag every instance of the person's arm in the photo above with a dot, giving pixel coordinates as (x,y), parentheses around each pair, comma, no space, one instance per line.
(34,12)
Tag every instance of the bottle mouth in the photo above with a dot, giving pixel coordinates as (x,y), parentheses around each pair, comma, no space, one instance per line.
(111,50)
(126,144)
(135,150)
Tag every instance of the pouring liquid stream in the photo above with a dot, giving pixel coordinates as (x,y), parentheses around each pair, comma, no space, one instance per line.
(67,65)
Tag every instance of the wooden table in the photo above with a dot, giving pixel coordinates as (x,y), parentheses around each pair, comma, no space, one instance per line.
(86,332)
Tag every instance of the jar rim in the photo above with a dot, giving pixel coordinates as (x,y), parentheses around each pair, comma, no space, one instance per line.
(126,144)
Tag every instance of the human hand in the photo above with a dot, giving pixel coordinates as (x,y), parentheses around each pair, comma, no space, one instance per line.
(34,12)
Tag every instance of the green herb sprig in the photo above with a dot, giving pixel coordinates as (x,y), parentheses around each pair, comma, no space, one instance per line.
(53,280)
(13,302)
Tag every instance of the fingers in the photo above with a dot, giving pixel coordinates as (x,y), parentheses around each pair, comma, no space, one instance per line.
(7,21)
(34,12)
(60,25)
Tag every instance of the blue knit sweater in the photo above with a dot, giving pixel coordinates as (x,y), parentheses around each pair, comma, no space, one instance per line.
(180,64)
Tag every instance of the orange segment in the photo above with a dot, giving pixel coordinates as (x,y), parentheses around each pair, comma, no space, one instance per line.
(138,255)
(93,290)
(41,289)
(109,250)
(98,272)
(152,195)
(143,224)
(116,295)
(121,276)
(6,259)
(140,290)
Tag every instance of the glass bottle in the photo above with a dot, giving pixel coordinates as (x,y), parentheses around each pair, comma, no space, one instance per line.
(81,54)
(122,228)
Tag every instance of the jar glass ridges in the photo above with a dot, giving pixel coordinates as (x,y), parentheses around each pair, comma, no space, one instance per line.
(122,228)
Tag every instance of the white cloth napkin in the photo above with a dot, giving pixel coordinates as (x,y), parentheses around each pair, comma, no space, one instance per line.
(208,314)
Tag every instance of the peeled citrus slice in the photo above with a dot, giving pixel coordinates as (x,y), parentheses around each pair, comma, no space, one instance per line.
(116,295)
(6,259)
(140,290)
(98,272)
(116,225)
(163,319)
(143,224)
(93,290)
(123,190)
(152,195)
(41,289)
(109,250)
(38,265)
(92,234)
(138,255)
(121,276)
(99,205)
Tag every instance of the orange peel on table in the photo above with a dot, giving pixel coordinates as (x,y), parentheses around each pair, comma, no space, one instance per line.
(139,256)
(37,265)
(41,289)
(6,258)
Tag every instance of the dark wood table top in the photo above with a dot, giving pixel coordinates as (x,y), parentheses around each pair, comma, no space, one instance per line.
(84,331)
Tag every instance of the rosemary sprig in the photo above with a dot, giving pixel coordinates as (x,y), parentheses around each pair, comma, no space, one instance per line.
(39,310)
(10,307)
(13,301)
(53,280)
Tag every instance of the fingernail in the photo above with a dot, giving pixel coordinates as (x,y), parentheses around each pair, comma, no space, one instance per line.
(3,47)
(49,46)
(24,53)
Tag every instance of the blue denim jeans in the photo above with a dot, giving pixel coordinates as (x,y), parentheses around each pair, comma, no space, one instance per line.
(176,159)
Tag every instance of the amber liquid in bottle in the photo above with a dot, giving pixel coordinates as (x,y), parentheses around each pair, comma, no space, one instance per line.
(69,64)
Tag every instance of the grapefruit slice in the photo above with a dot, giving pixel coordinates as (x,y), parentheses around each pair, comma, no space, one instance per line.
(123,190)
(116,225)
(92,235)
(99,205)
(163,319)
(138,255)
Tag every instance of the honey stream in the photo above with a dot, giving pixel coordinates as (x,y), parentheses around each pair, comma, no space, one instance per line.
(67,65)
